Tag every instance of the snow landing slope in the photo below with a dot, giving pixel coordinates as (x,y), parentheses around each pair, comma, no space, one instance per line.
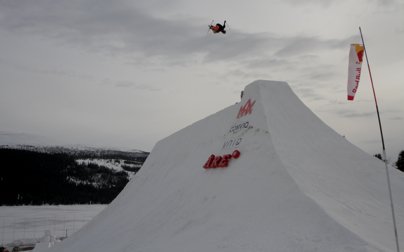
(297,186)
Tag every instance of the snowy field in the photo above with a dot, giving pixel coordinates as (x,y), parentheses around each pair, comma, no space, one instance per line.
(30,222)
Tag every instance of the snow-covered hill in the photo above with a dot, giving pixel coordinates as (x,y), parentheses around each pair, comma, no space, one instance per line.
(77,150)
(265,174)
(36,175)
(128,161)
(128,166)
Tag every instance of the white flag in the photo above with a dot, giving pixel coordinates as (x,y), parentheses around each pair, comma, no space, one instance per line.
(354,69)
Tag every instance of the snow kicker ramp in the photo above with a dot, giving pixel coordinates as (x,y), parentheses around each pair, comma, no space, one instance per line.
(276,178)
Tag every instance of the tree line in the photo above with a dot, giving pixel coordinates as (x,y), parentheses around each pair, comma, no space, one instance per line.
(34,178)
(399,163)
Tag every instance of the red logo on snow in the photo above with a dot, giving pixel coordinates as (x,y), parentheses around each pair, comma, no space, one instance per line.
(246,109)
(220,161)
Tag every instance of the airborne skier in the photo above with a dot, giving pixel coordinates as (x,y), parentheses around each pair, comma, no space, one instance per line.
(218,28)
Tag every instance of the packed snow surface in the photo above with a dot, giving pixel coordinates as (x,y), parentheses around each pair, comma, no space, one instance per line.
(297,186)
(27,224)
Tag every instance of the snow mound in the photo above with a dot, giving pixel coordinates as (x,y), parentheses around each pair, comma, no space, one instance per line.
(297,185)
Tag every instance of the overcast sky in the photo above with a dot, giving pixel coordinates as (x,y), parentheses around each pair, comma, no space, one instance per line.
(128,73)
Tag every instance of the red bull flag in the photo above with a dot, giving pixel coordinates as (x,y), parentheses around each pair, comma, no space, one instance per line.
(354,69)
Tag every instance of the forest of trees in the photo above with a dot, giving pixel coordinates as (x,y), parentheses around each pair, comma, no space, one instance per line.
(35,178)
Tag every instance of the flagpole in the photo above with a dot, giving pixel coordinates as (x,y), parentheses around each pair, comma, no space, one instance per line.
(384,148)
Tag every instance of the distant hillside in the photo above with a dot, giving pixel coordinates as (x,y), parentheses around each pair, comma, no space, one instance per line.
(61,175)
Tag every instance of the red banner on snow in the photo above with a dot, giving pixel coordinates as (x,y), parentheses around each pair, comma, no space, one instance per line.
(354,69)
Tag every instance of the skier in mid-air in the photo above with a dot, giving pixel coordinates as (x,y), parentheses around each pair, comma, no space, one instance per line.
(218,28)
